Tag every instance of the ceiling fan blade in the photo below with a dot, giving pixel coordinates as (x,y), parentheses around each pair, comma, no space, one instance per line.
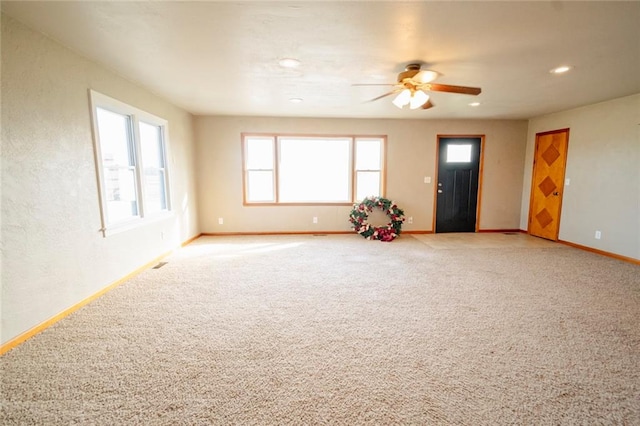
(393,92)
(434,87)
(428,105)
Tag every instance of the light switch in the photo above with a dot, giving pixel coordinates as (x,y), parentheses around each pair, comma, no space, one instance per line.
(427,179)
(567,182)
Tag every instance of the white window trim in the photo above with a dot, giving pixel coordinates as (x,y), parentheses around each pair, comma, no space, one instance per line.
(99,100)
(352,177)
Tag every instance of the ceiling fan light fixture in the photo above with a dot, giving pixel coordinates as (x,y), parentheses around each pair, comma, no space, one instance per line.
(418,99)
(413,85)
(403,98)
(425,76)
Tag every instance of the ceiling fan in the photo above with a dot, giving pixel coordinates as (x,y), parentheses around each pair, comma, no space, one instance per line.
(412,85)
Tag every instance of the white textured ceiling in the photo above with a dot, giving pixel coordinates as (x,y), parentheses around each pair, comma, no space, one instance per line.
(221,58)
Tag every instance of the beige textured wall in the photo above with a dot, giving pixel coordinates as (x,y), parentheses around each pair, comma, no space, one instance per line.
(411,155)
(603,165)
(52,253)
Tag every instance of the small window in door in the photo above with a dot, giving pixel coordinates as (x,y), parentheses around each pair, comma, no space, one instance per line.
(458,153)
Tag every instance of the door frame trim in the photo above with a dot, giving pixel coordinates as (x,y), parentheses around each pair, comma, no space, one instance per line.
(480,173)
(533,175)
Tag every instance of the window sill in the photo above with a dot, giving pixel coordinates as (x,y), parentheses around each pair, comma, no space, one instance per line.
(296,204)
(135,224)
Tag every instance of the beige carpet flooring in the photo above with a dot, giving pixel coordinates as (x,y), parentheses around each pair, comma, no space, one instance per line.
(427,330)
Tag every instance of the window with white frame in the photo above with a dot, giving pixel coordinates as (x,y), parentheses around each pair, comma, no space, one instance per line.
(131,159)
(286,169)
(368,170)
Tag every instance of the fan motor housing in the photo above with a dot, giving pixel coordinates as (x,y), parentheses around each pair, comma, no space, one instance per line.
(410,71)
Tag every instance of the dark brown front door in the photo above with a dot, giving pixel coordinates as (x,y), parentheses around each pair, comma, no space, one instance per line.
(457,186)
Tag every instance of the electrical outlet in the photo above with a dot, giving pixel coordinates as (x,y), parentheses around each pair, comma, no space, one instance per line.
(315,219)
(410,219)
(220,221)
(598,235)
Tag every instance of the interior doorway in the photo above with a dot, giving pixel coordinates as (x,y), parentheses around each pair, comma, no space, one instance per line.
(458,183)
(547,184)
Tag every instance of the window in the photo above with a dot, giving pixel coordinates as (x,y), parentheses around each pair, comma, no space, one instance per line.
(368,167)
(318,170)
(260,169)
(314,170)
(131,161)
(458,153)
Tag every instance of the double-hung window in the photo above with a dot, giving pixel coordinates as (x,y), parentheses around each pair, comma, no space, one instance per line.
(131,159)
(289,169)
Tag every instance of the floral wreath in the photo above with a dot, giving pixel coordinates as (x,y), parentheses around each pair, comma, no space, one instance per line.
(360,214)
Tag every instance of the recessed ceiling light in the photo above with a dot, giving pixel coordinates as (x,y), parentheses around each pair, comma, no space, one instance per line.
(295,100)
(289,63)
(474,104)
(560,70)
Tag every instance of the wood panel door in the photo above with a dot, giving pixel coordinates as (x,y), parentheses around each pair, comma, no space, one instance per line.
(458,182)
(547,186)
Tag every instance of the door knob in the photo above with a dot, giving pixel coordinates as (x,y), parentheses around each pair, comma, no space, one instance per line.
(556,193)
